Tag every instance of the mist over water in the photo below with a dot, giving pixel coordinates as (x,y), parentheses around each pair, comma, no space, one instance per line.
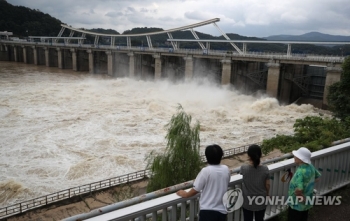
(60,129)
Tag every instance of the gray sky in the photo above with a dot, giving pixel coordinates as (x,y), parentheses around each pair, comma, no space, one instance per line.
(256,18)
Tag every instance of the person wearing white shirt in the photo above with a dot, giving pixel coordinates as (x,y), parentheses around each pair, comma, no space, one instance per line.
(212,182)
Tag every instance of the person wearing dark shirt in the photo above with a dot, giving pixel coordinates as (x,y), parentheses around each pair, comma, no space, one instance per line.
(256,183)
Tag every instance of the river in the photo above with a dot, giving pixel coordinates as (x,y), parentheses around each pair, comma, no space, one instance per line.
(61,129)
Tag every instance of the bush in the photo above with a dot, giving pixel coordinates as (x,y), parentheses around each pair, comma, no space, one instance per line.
(314,133)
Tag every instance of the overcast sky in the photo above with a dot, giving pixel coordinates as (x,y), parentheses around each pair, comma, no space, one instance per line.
(256,18)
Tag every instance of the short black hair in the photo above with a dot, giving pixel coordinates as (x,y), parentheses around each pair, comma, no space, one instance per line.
(214,153)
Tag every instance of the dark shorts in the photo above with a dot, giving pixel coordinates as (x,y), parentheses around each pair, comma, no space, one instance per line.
(297,215)
(211,215)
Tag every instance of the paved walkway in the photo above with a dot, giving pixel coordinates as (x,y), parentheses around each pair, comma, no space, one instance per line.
(328,213)
(333,213)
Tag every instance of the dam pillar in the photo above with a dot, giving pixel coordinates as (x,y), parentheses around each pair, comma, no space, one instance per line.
(91,61)
(273,77)
(333,76)
(188,68)
(131,64)
(59,58)
(226,72)
(15,53)
(109,63)
(35,55)
(25,60)
(157,67)
(47,56)
(74,60)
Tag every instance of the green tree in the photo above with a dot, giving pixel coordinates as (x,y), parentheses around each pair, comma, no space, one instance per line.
(314,133)
(181,160)
(339,93)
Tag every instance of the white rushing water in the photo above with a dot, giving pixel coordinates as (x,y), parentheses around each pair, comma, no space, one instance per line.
(61,129)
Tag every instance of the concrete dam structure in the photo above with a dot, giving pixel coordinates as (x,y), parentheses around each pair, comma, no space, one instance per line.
(287,77)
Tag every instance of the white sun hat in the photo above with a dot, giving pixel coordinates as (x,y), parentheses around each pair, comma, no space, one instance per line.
(303,154)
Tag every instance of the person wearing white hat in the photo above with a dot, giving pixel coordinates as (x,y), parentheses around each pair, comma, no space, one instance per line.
(301,186)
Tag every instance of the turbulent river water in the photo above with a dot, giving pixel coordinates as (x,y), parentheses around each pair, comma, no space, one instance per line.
(61,129)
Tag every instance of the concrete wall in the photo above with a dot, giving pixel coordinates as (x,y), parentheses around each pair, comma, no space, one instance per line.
(100,60)
(173,68)
(67,59)
(53,60)
(19,54)
(240,79)
(144,66)
(29,55)
(4,53)
(121,61)
(289,91)
(82,60)
(41,56)
(207,68)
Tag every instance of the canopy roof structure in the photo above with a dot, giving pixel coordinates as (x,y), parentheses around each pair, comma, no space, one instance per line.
(148,35)
(175,42)
(144,34)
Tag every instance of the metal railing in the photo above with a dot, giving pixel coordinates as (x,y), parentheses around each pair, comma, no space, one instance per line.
(332,162)
(71,192)
(88,188)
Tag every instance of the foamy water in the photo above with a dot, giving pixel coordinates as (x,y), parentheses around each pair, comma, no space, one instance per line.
(61,129)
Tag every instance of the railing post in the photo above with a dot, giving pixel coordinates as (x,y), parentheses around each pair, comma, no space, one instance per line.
(183,211)
(192,209)
(173,212)
(164,214)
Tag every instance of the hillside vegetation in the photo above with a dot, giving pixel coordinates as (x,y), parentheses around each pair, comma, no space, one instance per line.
(23,21)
